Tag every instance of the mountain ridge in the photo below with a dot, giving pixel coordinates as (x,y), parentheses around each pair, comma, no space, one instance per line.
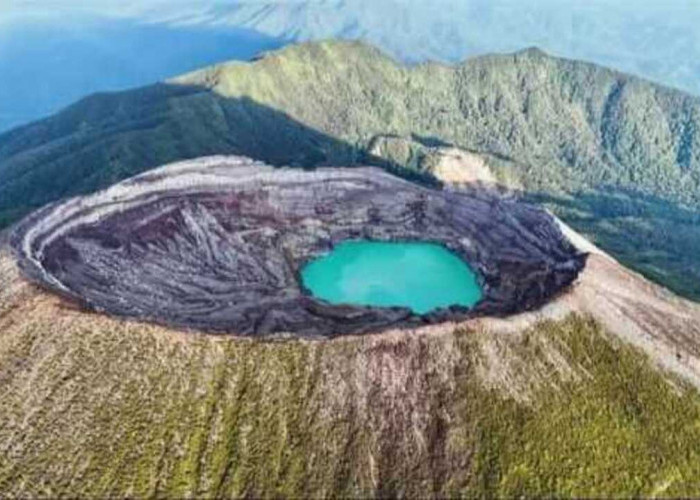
(589,141)
(208,78)
(611,35)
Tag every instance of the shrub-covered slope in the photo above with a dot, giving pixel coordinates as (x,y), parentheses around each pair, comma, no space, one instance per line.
(549,125)
(94,406)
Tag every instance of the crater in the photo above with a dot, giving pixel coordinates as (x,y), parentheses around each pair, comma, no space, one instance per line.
(224,244)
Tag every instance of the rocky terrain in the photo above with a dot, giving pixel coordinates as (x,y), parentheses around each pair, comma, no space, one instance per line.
(217,244)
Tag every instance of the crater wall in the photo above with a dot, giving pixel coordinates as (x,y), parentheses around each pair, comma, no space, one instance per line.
(217,244)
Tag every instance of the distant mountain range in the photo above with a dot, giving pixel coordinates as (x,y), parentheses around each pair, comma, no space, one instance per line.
(48,64)
(617,157)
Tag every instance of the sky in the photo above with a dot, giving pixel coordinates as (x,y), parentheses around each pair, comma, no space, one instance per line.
(136,8)
(124,8)
(142,10)
(208,12)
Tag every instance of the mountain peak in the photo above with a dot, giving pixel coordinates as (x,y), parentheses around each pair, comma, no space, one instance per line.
(532,51)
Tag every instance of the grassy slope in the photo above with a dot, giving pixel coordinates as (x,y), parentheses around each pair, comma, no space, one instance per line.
(97,407)
(557,126)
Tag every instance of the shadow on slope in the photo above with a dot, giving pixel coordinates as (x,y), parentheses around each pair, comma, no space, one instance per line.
(109,137)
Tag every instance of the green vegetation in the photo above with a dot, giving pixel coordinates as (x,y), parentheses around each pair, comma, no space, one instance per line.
(9,216)
(654,237)
(97,407)
(622,430)
(550,126)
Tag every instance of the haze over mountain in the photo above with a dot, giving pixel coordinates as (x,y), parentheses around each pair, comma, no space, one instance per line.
(51,59)
(45,66)
(648,38)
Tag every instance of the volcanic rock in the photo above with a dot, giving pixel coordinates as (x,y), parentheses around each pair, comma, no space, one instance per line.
(217,244)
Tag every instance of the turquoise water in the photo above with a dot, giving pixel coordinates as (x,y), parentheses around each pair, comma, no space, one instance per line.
(420,276)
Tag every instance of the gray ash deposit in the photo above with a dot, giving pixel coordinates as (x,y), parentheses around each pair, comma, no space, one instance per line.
(217,245)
